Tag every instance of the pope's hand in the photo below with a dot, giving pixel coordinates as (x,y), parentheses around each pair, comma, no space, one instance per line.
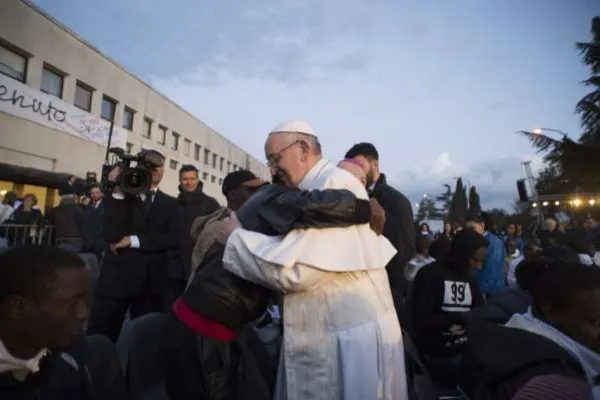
(377,216)
(223,228)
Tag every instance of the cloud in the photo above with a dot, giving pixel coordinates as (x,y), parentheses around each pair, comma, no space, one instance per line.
(495,179)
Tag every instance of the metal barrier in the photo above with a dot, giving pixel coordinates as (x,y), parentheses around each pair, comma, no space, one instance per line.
(14,235)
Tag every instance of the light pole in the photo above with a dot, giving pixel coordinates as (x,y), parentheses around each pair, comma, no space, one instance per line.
(539,131)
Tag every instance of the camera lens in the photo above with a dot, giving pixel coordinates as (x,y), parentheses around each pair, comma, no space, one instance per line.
(135,181)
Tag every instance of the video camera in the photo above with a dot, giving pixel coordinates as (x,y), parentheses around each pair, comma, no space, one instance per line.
(132,180)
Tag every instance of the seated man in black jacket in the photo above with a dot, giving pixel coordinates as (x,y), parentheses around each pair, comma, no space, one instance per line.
(200,351)
(559,336)
(44,353)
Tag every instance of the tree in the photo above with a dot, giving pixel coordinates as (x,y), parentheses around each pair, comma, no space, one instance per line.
(474,202)
(589,106)
(576,163)
(427,210)
(446,199)
(458,208)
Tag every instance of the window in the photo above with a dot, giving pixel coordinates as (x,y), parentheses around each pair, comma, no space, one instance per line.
(173,164)
(175,145)
(186,147)
(147,127)
(108,108)
(129,148)
(213,179)
(162,135)
(235,167)
(228,166)
(83,96)
(13,64)
(206,156)
(220,181)
(128,114)
(197,148)
(52,82)
(221,164)
(214,161)
(205,176)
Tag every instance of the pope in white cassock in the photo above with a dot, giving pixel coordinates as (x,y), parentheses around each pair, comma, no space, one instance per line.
(342,339)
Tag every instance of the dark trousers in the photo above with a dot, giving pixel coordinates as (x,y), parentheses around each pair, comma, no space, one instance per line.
(108,312)
(197,367)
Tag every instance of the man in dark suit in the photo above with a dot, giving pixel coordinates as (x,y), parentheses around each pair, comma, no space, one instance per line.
(140,231)
(399,225)
(92,236)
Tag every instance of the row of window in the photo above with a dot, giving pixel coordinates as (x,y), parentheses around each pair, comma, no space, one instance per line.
(14,62)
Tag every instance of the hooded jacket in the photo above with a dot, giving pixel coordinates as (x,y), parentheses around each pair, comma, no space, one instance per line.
(442,291)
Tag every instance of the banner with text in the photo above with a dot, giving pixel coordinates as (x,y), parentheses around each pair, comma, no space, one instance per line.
(28,103)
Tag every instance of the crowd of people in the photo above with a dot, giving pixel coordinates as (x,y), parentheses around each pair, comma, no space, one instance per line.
(317,285)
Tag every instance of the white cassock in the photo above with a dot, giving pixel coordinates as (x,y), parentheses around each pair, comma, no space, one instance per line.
(342,339)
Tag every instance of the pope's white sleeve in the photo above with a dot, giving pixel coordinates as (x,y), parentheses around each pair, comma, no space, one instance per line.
(238,260)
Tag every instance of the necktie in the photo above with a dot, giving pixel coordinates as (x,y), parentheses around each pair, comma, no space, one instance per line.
(149,198)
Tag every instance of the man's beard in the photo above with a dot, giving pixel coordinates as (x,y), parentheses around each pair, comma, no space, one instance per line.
(370,177)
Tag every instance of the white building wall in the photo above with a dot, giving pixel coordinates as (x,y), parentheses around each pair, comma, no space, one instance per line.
(26,143)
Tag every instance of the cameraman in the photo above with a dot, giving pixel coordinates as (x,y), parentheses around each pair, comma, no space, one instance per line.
(140,230)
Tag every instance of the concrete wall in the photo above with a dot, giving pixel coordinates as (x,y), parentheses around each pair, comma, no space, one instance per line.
(28,144)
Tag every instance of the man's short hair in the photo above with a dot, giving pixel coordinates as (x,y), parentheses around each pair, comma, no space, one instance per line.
(529,272)
(187,168)
(563,282)
(365,149)
(29,270)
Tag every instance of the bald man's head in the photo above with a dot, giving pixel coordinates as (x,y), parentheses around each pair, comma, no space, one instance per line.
(355,169)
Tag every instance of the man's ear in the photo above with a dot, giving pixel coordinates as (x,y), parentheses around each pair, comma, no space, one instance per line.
(376,164)
(15,307)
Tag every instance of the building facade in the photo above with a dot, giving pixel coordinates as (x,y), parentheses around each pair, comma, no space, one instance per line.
(59,95)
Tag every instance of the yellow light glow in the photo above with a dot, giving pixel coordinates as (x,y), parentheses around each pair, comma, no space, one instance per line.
(592,202)
(556,203)
(577,202)
(534,205)
(545,203)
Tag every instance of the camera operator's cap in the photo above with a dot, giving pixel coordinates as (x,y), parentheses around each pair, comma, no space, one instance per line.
(294,125)
(240,178)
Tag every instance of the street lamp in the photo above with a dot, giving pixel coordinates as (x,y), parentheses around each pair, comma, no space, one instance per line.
(540,130)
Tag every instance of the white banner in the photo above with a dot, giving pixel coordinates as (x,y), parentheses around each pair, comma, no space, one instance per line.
(28,103)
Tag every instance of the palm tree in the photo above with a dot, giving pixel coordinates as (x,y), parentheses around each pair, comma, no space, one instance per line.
(589,107)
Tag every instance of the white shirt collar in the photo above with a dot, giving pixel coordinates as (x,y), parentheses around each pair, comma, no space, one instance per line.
(312,174)
(19,367)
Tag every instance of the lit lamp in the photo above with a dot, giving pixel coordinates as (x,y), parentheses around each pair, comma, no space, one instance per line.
(577,202)
(545,203)
(556,203)
(592,202)
(534,205)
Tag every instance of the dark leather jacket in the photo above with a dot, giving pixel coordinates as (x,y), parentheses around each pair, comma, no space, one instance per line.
(225,298)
